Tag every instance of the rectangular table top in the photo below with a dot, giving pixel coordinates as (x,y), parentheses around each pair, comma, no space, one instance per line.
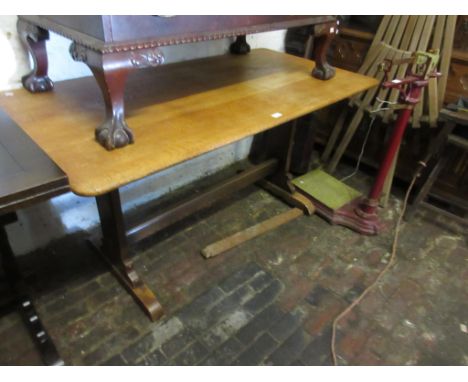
(177,112)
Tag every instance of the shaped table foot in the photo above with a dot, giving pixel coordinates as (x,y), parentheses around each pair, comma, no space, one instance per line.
(134,285)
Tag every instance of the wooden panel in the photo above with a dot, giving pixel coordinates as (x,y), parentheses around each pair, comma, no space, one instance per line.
(123,27)
(177,112)
(347,53)
(107,30)
(92,25)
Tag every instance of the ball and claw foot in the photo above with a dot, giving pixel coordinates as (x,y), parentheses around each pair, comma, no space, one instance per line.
(36,84)
(324,72)
(114,133)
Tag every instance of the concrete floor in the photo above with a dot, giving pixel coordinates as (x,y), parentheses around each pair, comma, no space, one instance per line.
(271,301)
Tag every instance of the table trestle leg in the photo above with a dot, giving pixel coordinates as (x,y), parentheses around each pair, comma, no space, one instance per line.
(115,252)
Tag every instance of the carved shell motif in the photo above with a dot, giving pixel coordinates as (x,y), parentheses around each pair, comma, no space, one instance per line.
(146,59)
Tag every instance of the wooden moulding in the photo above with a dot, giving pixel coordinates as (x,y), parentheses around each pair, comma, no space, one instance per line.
(117,33)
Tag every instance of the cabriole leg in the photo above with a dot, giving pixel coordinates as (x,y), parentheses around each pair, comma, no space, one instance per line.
(110,72)
(34,39)
(114,132)
(110,69)
(323,35)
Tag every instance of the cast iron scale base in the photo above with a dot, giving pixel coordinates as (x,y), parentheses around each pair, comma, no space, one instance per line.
(336,202)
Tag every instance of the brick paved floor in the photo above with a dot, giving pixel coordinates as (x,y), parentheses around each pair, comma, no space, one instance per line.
(270,301)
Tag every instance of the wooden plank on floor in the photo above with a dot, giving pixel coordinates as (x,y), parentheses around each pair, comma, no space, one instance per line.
(250,233)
